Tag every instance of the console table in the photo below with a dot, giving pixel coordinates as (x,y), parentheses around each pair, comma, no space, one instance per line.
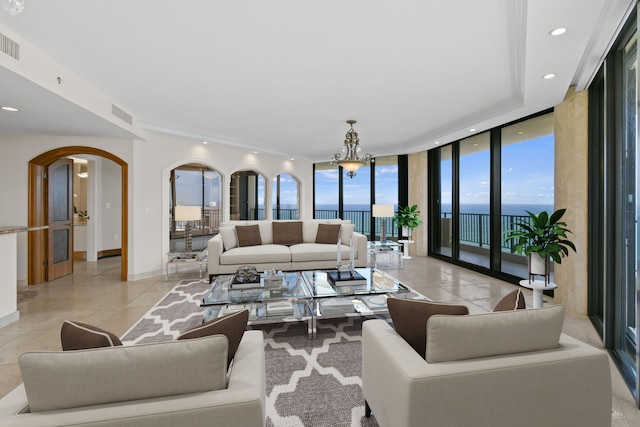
(178,258)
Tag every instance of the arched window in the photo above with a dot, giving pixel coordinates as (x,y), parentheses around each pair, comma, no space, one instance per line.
(195,185)
(285,197)
(246,196)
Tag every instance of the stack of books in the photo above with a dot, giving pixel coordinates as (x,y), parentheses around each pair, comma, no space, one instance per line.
(279,308)
(245,284)
(274,280)
(344,278)
(336,306)
(234,308)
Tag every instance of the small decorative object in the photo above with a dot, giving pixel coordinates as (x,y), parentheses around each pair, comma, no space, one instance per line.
(246,274)
(541,238)
(350,267)
(408,218)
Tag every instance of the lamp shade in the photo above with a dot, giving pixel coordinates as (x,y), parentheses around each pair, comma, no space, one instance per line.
(188,213)
(382,211)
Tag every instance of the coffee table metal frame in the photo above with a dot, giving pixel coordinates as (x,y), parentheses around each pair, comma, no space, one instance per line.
(307,290)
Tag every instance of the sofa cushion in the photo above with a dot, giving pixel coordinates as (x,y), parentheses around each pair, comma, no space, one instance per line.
(248,235)
(232,326)
(490,334)
(346,231)
(80,336)
(328,233)
(287,232)
(512,301)
(410,319)
(70,379)
(317,252)
(251,255)
(229,237)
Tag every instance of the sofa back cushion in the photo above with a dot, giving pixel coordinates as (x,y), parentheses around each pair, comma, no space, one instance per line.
(71,379)
(229,237)
(410,319)
(287,232)
(248,235)
(491,334)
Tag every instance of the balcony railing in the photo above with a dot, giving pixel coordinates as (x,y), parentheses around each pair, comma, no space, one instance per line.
(474,228)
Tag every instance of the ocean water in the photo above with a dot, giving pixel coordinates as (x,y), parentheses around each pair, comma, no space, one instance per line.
(507,209)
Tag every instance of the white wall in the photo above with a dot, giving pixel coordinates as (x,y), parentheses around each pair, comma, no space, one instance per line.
(150,163)
(110,205)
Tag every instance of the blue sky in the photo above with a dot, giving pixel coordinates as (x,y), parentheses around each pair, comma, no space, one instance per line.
(527,174)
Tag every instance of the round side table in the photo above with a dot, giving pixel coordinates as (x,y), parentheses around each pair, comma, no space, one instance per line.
(538,287)
(405,248)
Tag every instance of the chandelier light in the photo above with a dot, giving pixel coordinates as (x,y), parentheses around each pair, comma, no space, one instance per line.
(350,157)
(14,7)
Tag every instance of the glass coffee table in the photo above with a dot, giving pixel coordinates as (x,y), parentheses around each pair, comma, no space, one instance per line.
(302,296)
(344,300)
(289,301)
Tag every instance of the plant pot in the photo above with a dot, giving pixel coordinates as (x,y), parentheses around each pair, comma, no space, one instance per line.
(406,233)
(539,266)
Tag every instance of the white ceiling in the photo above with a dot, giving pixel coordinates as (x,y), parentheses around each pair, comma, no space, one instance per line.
(283,76)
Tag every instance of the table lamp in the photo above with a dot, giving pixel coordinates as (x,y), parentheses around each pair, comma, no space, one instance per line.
(383,212)
(187,214)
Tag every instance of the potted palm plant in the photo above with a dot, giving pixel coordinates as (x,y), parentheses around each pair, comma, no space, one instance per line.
(407,218)
(541,238)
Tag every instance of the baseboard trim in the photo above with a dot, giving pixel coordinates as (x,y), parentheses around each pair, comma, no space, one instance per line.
(9,319)
(109,253)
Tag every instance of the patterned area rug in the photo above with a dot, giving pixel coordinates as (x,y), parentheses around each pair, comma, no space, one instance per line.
(309,382)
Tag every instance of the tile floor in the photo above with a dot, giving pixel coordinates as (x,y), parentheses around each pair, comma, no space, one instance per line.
(94,294)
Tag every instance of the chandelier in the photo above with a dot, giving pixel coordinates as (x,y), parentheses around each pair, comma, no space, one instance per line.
(14,7)
(349,158)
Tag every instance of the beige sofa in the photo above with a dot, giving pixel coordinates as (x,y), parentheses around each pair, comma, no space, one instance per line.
(224,255)
(180,383)
(497,369)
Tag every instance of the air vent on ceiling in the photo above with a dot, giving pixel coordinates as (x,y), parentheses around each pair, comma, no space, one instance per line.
(9,47)
(121,114)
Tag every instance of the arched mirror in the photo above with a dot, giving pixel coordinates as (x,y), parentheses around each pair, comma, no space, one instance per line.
(285,199)
(196,203)
(246,196)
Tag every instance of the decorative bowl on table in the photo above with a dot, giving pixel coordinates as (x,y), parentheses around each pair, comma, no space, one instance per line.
(246,274)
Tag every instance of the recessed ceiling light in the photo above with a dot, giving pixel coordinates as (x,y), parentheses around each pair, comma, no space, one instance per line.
(292,159)
(520,133)
(548,76)
(437,142)
(472,130)
(255,152)
(205,142)
(12,109)
(558,31)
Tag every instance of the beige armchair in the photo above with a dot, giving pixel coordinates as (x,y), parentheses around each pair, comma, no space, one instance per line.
(179,383)
(493,370)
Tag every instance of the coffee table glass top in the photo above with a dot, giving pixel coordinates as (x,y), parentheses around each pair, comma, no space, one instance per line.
(377,283)
(223,292)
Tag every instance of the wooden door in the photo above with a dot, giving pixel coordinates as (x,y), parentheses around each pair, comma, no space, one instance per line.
(60,219)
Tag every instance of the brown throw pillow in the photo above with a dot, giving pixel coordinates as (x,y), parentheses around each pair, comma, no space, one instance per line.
(512,301)
(287,232)
(328,233)
(232,326)
(248,235)
(80,336)
(410,319)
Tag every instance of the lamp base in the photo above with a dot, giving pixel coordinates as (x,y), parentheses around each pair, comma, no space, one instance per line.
(383,230)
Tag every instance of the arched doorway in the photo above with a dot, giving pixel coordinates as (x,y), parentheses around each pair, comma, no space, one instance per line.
(37,240)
